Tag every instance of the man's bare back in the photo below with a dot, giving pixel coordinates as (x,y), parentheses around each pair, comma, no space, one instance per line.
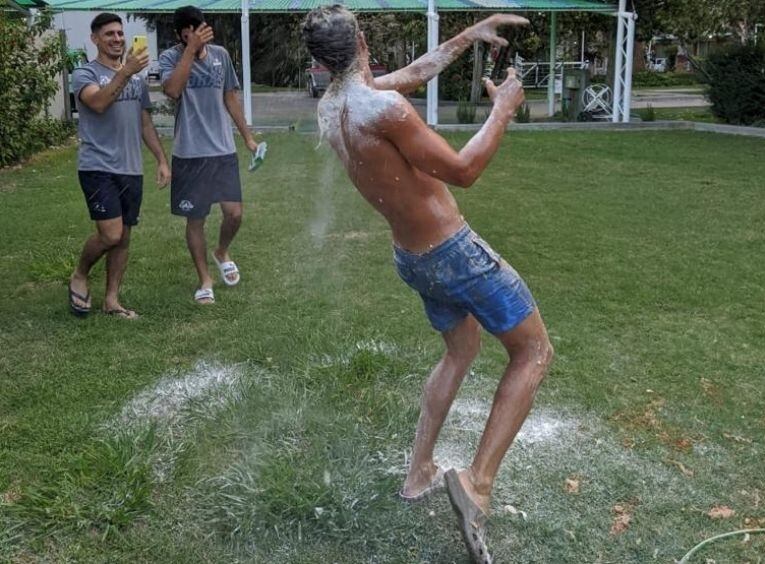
(419,208)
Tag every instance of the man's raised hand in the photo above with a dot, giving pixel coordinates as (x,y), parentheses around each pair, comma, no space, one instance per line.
(197,38)
(508,95)
(136,62)
(486,30)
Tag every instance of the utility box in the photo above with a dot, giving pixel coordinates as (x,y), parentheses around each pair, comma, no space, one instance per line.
(575,82)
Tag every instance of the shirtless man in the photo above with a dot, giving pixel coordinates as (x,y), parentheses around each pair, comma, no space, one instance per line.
(402,168)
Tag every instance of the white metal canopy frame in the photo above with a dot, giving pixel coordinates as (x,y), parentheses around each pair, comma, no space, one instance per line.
(622,88)
(622,76)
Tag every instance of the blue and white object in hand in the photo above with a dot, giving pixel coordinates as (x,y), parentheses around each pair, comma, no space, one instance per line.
(258,156)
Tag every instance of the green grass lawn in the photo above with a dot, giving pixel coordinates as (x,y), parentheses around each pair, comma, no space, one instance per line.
(275,425)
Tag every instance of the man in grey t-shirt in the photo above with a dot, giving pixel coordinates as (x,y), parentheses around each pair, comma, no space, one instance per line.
(201,78)
(113,102)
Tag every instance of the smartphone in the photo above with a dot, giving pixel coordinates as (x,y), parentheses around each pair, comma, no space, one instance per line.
(140,43)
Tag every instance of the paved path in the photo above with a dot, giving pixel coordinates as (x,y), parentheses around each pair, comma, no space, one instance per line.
(297,108)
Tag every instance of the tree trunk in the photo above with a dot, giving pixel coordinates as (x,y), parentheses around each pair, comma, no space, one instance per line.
(476,86)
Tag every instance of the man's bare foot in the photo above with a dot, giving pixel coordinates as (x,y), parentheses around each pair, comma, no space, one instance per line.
(468,481)
(421,482)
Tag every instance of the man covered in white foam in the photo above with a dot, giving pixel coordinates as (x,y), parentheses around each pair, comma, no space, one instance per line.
(402,168)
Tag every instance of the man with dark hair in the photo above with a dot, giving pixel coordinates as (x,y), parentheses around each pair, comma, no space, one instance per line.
(402,167)
(202,80)
(113,102)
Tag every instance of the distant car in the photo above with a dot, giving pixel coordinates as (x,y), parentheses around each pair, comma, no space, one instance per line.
(318,77)
(658,65)
(153,70)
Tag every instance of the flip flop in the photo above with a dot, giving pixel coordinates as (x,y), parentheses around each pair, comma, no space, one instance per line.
(122,313)
(77,309)
(436,484)
(471,518)
(204,294)
(226,269)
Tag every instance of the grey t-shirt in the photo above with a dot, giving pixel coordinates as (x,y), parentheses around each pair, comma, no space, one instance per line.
(202,123)
(111,141)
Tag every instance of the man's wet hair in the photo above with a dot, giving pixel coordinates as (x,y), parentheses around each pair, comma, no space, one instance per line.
(330,34)
(187,16)
(103,19)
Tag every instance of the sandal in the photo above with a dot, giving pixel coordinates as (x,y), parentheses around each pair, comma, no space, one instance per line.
(227,268)
(471,519)
(204,296)
(436,484)
(75,308)
(122,313)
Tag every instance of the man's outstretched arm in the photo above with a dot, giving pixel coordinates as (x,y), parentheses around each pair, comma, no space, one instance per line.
(429,65)
(427,151)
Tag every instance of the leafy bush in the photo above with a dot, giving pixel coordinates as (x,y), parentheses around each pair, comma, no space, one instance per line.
(30,61)
(735,81)
(465,111)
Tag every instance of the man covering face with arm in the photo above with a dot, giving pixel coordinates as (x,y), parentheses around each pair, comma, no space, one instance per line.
(201,78)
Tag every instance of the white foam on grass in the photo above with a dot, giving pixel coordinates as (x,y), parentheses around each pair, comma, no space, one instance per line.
(552,444)
(176,403)
(168,399)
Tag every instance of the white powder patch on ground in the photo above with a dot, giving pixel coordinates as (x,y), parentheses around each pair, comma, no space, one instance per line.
(552,445)
(174,404)
(217,384)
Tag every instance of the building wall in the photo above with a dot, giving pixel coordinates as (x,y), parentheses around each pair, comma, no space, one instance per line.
(77,28)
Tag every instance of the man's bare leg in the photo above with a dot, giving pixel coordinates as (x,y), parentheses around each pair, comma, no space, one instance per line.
(195,239)
(462,345)
(232,220)
(108,234)
(116,263)
(530,355)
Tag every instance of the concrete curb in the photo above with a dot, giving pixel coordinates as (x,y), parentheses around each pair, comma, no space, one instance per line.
(610,126)
(562,126)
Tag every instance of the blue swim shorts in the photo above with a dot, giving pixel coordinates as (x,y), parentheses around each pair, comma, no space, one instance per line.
(465,275)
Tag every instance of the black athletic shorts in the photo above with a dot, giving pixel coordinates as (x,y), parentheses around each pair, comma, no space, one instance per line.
(200,182)
(110,195)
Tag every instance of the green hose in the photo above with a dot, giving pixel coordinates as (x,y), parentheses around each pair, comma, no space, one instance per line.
(696,548)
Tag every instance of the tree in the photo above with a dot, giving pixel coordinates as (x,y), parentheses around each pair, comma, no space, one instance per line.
(31,58)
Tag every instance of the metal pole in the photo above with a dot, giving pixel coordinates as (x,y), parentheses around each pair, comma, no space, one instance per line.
(582,57)
(246,71)
(628,68)
(432,108)
(551,81)
(619,64)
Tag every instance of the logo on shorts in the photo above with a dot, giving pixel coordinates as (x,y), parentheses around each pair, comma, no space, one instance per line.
(98,207)
(185,205)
